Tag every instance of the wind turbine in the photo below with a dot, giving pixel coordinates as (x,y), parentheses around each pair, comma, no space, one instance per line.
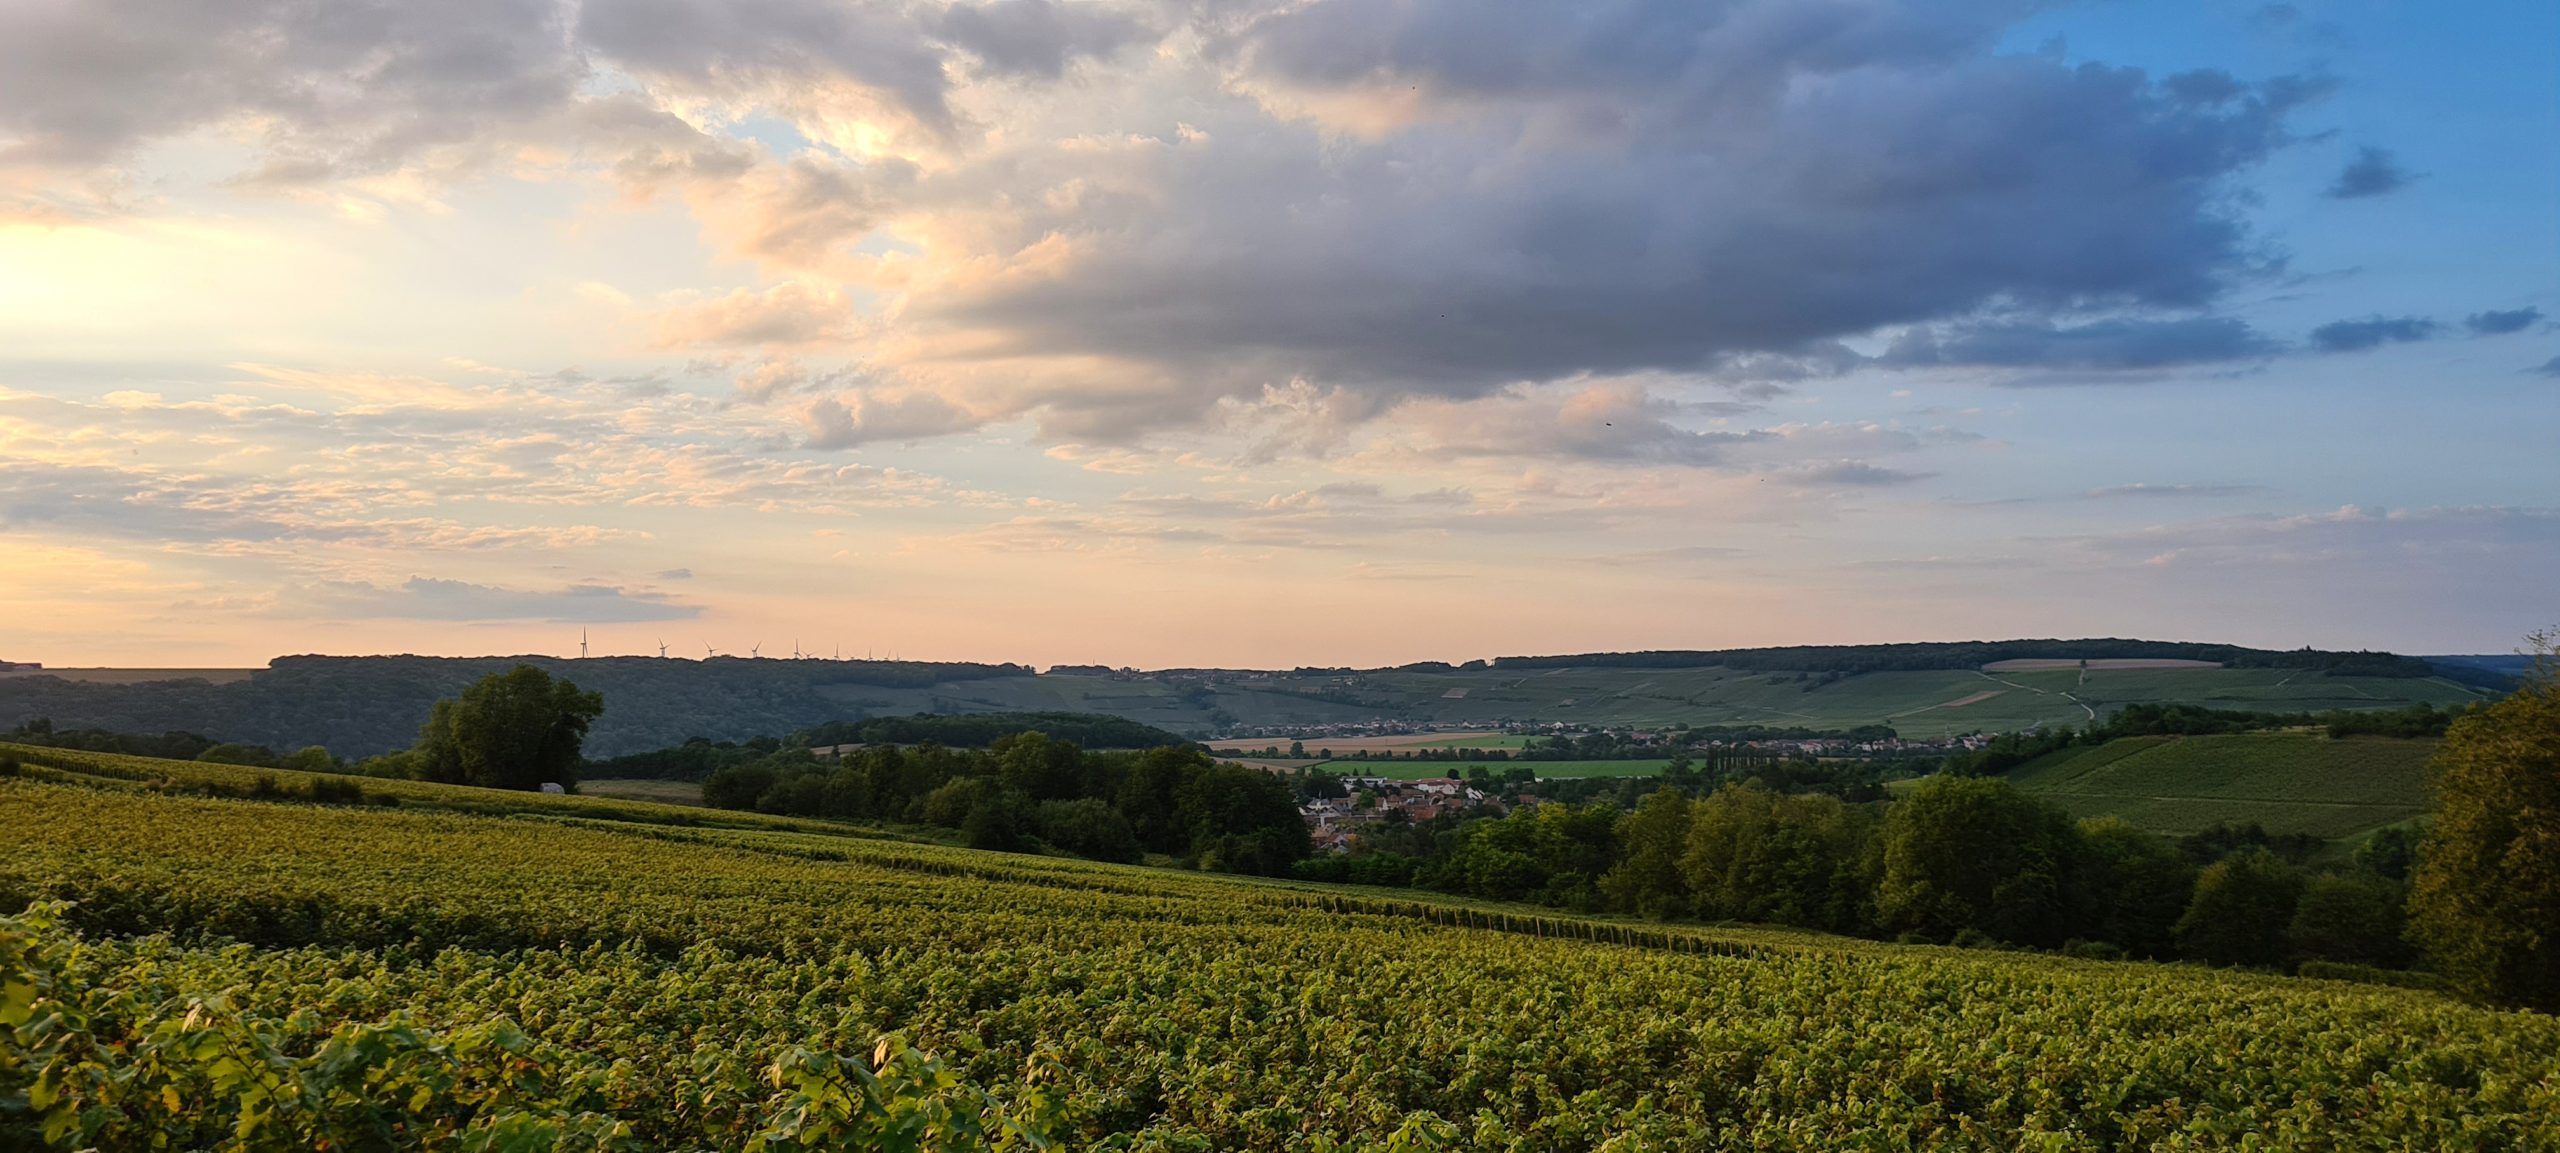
(662,648)
(582,644)
(708,652)
(756,650)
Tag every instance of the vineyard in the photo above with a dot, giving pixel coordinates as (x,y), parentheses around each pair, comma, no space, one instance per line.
(223,958)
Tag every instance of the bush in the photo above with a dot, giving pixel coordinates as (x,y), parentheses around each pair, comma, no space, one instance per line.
(2093,950)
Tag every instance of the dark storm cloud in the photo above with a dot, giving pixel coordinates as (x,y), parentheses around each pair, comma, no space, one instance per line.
(2372,332)
(2100,345)
(2373,172)
(2500,323)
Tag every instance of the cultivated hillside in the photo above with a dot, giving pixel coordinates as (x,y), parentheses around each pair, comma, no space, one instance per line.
(577,957)
(358,706)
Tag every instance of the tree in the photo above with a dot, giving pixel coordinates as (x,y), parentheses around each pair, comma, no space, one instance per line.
(2485,899)
(2242,907)
(518,729)
(1975,853)
(1758,855)
(2138,884)
(2356,918)
(1651,840)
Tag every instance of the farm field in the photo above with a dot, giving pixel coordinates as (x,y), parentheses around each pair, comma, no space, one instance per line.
(1422,770)
(2288,782)
(361,706)
(570,964)
(662,792)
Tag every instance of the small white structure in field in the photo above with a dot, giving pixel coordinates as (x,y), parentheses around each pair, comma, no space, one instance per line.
(553,787)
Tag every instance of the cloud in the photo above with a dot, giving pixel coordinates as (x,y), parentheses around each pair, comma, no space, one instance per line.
(675,574)
(1854,474)
(791,313)
(862,417)
(2448,537)
(1597,190)
(429,598)
(2104,346)
(2549,367)
(2372,332)
(2373,172)
(327,91)
(1607,422)
(2495,322)
(1039,37)
(2178,490)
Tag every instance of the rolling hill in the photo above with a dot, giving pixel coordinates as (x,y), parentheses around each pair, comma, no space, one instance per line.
(2288,782)
(357,706)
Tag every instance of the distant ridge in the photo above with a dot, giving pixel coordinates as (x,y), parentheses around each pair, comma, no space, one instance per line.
(1975,654)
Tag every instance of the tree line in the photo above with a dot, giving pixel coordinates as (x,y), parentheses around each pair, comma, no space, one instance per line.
(1030,792)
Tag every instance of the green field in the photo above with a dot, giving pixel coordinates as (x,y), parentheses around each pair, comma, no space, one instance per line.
(663,792)
(361,706)
(2288,782)
(1420,770)
(460,971)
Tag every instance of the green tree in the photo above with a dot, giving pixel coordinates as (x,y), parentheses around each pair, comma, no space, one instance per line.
(2138,884)
(2243,905)
(1651,839)
(311,759)
(1758,855)
(2485,899)
(1975,853)
(2352,917)
(518,729)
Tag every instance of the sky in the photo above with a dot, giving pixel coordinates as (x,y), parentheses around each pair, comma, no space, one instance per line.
(1272,332)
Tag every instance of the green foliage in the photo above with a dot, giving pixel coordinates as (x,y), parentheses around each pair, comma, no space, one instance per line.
(514,730)
(2352,918)
(2485,898)
(121,1060)
(1975,853)
(660,973)
(2138,884)
(2242,908)
(1754,855)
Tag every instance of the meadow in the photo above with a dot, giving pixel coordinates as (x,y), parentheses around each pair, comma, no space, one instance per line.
(2288,782)
(567,972)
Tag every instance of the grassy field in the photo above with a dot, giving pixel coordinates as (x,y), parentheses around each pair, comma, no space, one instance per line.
(2288,782)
